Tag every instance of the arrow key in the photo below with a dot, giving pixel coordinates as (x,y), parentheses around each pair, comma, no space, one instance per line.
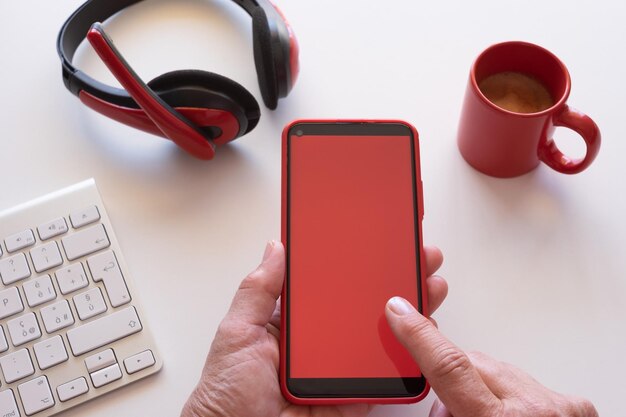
(139,361)
(100,360)
(106,375)
(72,389)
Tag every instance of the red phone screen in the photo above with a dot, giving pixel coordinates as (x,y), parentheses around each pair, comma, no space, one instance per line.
(352,245)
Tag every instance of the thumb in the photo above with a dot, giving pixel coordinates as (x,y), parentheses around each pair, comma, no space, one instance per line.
(446,367)
(255,300)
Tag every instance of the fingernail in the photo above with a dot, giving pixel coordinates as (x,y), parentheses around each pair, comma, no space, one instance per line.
(400,306)
(268,250)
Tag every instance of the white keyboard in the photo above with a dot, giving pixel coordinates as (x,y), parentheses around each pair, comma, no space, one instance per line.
(71,326)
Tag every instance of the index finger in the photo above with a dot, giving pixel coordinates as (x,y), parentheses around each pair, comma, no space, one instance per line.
(446,367)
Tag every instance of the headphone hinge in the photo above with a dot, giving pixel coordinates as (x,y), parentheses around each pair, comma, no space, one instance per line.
(69,74)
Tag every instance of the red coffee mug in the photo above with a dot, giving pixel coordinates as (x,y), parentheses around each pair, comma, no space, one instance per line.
(503,143)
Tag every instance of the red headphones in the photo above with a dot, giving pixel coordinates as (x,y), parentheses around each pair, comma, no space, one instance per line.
(195,109)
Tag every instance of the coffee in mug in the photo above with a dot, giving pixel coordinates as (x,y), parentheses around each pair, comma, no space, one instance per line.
(516,92)
(515,99)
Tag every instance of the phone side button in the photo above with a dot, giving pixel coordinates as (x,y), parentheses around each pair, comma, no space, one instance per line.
(421,198)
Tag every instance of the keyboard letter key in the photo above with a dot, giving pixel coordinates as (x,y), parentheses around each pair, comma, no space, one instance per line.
(103,331)
(85,242)
(46,256)
(14,269)
(89,303)
(39,290)
(57,316)
(23,329)
(10,302)
(4,346)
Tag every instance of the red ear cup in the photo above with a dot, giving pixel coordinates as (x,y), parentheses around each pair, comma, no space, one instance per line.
(264,58)
(201,89)
(294,56)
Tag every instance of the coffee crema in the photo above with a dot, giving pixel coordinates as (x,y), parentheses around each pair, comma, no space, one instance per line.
(516,92)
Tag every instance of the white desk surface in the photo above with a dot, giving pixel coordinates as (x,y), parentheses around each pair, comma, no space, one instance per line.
(536,264)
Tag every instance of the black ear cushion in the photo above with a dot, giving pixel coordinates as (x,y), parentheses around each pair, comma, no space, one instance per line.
(195,88)
(264,59)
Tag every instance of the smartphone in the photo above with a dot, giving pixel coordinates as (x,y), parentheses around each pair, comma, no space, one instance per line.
(351,225)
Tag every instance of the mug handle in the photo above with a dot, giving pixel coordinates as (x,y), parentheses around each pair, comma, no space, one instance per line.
(580,123)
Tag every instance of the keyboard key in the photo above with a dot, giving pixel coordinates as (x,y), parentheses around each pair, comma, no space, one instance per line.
(39,290)
(85,242)
(8,407)
(52,228)
(85,216)
(104,330)
(89,303)
(14,269)
(72,389)
(139,361)
(100,360)
(71,278)
(106,375)
(4,346)
(36,395)
(104,267)
(57,316)
(10,302)
(50,352)
(46,256)
(19,240)
(23,329)
(16,365)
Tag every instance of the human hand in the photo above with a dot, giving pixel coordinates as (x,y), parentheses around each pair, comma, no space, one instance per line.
(471,385)
(240,376)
